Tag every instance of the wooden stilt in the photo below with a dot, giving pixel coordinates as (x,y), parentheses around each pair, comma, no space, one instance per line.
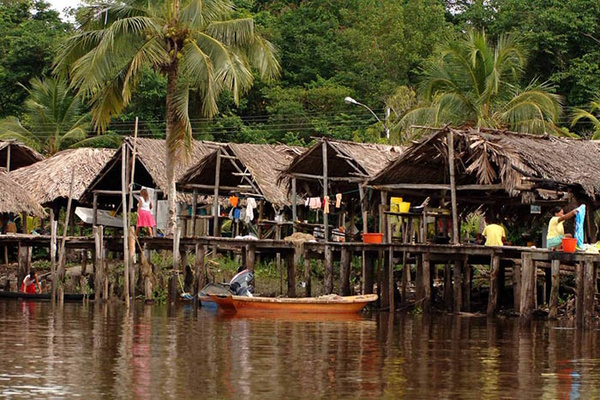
(458,277)
(426,283)
(250,257)
(589,291)
(493,295)
(385,280)
(391,279)
(307,277)
(554,291)
(345,272)
(98,233)
(466,291)
(516,277)
(448,290)
(328,270)
(368,272)
(527,293)
(579,298)
(291,274)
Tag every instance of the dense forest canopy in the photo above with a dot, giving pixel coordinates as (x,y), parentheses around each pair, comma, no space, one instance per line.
(375,51)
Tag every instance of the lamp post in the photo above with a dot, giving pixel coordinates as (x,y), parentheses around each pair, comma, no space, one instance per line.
(350,100)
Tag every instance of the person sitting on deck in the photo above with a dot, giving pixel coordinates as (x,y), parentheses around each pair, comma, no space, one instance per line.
(556,229)
(30,283)
(494,233)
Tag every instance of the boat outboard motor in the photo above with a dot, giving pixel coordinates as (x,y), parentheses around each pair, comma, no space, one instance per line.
(240,283)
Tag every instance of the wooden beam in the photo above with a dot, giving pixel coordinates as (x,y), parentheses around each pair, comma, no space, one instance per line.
(325,193)
(215,207)
(455,234)
(331,178)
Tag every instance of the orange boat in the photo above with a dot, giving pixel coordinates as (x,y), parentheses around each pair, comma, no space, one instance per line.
(330,304)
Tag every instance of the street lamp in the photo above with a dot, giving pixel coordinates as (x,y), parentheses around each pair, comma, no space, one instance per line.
(350,100)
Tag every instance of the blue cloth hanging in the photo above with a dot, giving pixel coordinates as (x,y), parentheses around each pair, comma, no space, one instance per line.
(579,221)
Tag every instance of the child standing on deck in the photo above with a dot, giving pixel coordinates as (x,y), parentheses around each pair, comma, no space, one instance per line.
(145,219)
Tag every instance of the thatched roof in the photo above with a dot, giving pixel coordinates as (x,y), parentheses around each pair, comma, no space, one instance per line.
(511,162)
(20,155)
(347,163)
(262,162)
(50,179)
(150,168)
(14,198)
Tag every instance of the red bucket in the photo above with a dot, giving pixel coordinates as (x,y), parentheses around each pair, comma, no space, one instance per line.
(569,245)
(372,237)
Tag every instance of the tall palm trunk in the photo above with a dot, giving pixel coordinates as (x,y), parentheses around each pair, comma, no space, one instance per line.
(173,126)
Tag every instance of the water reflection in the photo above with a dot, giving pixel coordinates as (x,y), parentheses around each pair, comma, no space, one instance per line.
(94,350)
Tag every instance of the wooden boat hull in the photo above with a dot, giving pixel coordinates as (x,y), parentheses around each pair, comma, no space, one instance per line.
(43,296)
(310,305)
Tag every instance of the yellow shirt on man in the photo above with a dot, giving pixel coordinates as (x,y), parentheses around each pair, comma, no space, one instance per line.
(493,235)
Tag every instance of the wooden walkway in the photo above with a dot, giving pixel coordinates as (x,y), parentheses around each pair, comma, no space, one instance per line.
(379,261)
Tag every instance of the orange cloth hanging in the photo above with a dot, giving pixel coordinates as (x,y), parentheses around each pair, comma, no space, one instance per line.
(233,201)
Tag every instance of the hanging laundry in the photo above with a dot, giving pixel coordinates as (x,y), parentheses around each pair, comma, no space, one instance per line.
(338,200)
(237,212)
(233,201)
(314,203)
(326,205)
(250,206)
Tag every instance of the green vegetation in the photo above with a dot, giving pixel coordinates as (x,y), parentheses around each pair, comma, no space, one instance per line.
(188,72)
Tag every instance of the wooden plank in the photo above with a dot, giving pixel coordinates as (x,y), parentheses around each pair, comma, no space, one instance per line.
(493,295)
(448,291)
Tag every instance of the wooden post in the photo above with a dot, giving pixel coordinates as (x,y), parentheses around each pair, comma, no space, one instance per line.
(8,151)
(250,257)
(493,296)
(516,277)
(579,298)
(554,290)
(345,272)
(382,217)
(131,261)
(307,277)
(466,292)
(328,270)
(325,193)
(448,291)
(125,224)
(458,277)
(455,235)
(426,267)
(53,234)
(367,267)
(528,271)
(419,292)
(391,279)
(589,291)
(215,206)
(199,267)
(147,274)
(61,254)
(22,262)
(95,209)
(194,206)
(294,205)
(98,233)
(368,272)
(291,274)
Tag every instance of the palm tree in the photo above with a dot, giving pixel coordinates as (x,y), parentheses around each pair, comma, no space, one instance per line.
(592,115)
(53,118)
(474,83)
(196,44)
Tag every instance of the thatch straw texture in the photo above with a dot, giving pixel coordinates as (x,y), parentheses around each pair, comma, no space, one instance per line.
(20,155)
(50,179)
(345,158)
(498,157)
(14,198)
(263,163)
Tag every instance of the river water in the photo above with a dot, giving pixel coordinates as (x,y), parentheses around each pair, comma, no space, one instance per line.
(161,352)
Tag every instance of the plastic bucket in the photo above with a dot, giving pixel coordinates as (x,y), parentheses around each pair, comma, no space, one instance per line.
(372,237)
(569,245)
(395,204)
(404,207)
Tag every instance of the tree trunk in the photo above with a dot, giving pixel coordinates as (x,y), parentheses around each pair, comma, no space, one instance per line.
(173,145)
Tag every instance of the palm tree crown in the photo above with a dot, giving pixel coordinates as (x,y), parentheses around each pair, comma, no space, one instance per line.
(53,118)
(592,115)
(196,44)
(475,83)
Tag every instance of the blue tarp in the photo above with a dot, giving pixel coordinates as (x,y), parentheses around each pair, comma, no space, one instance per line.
(579,221)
